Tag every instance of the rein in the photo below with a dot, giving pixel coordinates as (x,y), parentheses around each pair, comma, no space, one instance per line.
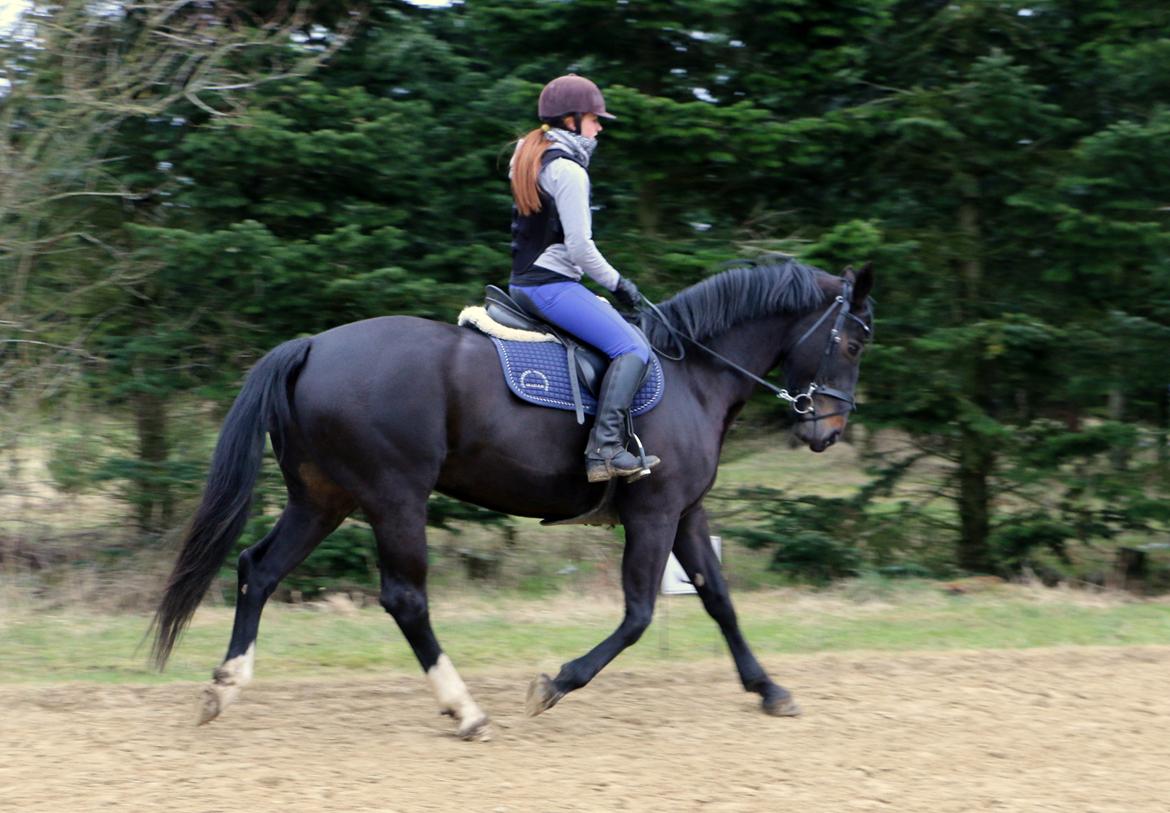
(802,402)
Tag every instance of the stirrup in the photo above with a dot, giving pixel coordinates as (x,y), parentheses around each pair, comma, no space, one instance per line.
(602,469)
(643,459)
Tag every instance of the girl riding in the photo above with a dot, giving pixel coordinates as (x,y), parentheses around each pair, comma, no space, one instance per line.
(552,248)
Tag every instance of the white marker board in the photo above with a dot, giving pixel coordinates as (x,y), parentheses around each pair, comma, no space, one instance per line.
(675,581)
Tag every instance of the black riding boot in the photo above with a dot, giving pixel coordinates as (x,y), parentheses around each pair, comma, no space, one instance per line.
(607,457)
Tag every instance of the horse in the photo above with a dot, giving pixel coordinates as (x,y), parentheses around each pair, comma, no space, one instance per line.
(375,415)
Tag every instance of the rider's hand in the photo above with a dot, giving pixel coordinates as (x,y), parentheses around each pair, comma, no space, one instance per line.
(627,295)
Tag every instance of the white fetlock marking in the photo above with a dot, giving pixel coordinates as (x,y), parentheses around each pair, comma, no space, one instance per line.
(452,693)
(227,681)
(238,670)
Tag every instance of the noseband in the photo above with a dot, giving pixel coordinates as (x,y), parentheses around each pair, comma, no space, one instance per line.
(802,403)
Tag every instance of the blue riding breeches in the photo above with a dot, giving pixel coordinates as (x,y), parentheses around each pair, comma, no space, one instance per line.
(573,307)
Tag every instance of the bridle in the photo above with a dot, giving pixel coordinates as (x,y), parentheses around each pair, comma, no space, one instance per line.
(802,403)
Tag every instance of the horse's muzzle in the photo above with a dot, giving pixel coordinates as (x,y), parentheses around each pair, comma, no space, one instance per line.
(818,445)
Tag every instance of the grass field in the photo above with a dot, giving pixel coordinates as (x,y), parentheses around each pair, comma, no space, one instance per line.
(555,596)
(486,632)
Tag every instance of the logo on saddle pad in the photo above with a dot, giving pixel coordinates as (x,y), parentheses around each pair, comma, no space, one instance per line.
(538,372)
(533,380)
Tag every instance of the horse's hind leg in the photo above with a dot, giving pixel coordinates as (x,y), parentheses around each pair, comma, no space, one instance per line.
(692,548)
(301,528)
(402,552)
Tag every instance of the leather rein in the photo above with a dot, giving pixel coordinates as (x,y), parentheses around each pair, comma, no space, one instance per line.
(802,402)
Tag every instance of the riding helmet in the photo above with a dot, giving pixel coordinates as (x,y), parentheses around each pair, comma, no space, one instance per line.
(571,94)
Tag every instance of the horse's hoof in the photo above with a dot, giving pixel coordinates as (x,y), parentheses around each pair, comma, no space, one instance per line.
(209,706)
(542,695)
(782,706)
(476,731)
(214,700)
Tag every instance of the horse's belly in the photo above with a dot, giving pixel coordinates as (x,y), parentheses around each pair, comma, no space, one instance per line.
(512,483)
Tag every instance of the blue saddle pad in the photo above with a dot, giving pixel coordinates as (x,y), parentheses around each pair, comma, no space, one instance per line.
(538,372)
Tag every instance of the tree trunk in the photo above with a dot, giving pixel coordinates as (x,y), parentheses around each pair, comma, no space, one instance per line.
(1162,437)
(976,461)
(1118,455)
(155,503)
(976,456)
(648,208)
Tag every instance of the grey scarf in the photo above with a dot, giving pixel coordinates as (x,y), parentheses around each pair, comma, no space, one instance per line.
(578,146)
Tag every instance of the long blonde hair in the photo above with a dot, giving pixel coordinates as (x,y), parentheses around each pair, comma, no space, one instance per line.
(526,170)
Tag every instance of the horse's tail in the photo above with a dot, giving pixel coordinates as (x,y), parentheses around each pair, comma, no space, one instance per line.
(263,405)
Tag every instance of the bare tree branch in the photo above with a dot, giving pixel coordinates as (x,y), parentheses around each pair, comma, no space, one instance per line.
(72,77)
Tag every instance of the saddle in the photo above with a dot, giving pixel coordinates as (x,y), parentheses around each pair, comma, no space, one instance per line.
(545,365)
(588,364)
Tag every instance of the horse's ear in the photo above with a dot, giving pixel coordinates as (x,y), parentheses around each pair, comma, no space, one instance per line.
(862,284)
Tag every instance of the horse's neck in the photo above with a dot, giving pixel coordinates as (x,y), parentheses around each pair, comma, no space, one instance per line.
(754,345)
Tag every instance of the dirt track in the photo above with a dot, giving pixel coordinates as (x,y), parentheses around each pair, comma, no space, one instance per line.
(1041,730)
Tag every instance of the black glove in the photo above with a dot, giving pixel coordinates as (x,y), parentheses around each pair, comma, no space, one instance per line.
(627,295)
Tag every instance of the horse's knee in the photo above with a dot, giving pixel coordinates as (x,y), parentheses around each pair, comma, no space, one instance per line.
(406,604)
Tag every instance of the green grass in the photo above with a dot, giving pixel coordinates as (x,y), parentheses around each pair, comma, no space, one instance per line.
(514,633)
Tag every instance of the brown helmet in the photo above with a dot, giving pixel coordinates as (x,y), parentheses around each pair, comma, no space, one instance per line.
(570,94)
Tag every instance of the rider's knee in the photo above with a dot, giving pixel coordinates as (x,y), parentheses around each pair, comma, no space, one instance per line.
(637,345)
(642,351)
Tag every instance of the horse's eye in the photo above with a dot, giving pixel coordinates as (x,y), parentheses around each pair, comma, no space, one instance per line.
(854,348)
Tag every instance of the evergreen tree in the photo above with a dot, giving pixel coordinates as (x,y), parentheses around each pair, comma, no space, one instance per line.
(1002,163)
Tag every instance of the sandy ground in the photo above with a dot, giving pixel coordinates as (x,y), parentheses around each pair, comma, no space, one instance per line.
(1078,729)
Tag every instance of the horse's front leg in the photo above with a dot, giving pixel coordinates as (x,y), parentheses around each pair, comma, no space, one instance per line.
(648,541)
(692,548)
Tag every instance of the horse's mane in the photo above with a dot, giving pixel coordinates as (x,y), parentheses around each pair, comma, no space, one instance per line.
(750,290)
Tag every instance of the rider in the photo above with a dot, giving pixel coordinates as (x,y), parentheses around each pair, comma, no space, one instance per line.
(552,247)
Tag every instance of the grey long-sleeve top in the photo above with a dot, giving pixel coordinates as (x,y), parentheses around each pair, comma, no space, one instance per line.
(568,184)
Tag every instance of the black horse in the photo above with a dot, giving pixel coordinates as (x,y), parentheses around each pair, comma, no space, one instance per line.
(375,415)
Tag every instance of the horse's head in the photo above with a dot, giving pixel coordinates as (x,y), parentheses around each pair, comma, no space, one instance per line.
(821,365)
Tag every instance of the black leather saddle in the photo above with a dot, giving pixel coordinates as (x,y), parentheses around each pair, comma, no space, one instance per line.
(515,312)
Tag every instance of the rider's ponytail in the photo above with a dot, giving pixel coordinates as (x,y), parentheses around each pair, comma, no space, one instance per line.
(526,171)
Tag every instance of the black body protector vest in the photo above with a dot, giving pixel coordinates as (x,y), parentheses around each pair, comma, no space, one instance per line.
(532,234)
